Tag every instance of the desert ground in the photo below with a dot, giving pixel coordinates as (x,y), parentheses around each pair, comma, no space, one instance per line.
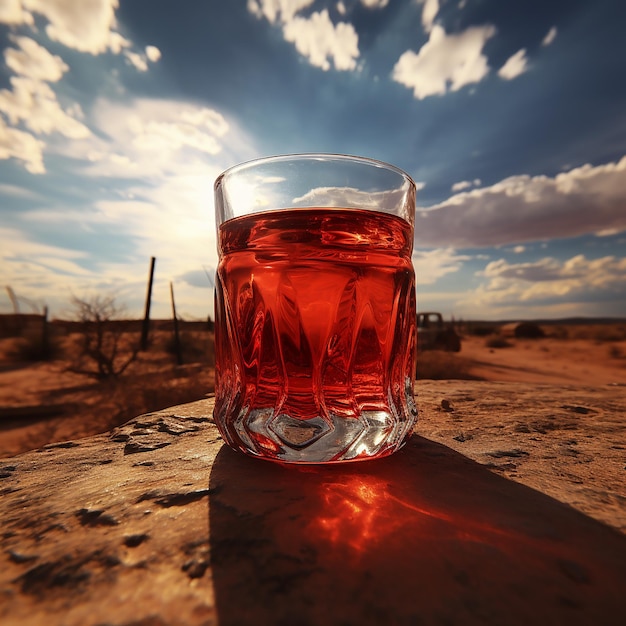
(45,402)
(588,358)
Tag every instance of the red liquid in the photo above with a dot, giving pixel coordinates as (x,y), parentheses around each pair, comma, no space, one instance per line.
(315,323)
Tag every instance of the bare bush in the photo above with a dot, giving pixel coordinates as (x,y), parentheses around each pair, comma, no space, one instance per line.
(498,342)
(104,349)
(529,330)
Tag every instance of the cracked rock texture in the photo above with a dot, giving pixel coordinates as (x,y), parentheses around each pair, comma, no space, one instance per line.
(507,506)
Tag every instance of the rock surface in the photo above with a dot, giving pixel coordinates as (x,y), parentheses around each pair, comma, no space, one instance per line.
(505,507)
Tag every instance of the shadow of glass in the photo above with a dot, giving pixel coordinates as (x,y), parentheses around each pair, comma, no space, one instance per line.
(423,536)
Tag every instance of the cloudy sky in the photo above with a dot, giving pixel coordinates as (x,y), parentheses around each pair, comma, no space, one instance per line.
(117,115)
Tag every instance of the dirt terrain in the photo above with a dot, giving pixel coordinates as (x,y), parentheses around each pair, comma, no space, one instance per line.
(552,361)
(43,402)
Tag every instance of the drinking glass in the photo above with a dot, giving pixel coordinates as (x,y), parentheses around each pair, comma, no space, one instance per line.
(315,320)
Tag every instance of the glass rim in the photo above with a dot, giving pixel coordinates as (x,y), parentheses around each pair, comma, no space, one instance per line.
(314,156)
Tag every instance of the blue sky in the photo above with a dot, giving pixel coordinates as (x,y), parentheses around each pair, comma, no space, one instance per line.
(117,115)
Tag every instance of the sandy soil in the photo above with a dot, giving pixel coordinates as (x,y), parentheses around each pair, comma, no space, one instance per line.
(43,402)
(555,361)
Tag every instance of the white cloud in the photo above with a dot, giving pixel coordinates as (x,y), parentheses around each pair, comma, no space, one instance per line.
(137,60)
(17,247)
(84,26)
(140,60)
(169,146)
(153,53)
(445,63)
(17,144)
(461,185)
(19,192)
(536,271)
(12,12)
(465,184)
(314,37)
(515,65)
(30,104)
(521,208)
(550,281)
(170,214)
(153,139)
(207,119)
(431,265)
(161,127)
(87,26)
(173,221)
(35,104)
(550,37)
(349,197)
(519,249)
(172,136)
(140,138)
(50,275)
(277,10)
(33,61)
(321,41)
(375,4)
(429,13)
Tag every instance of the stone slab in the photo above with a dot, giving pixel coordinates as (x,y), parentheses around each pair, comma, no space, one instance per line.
(485,517)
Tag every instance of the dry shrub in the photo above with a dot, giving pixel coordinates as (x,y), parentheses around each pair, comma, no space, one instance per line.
(103,353)
(104,349)
(94,404)
(32,347)
(438,365)
(114,401)
(138,394)
(603,334)
(600,333)
(529,330)
(498,342)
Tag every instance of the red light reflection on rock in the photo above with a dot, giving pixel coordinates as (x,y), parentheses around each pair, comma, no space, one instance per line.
(359,510)
(362,512)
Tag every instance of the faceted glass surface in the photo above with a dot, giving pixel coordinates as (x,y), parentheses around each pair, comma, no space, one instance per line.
(315,334)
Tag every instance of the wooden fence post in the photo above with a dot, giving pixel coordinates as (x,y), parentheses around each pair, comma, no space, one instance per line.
(145,327)
(177,347)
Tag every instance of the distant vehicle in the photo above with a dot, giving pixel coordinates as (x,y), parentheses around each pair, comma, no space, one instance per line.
(434,334)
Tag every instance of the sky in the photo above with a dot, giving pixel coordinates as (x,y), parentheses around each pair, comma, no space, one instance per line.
(116,116)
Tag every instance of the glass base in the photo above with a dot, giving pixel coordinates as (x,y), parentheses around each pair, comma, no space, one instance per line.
(372,434)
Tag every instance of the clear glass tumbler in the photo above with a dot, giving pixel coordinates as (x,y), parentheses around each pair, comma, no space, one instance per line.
(315,320)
